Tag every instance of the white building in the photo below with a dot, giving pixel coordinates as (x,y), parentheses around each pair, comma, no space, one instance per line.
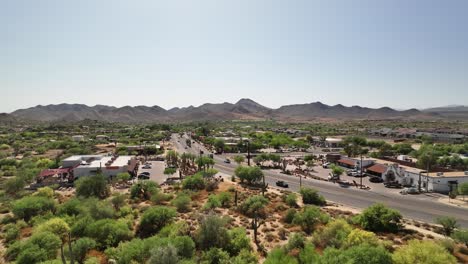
(441,182)
(332,142)
(110,166)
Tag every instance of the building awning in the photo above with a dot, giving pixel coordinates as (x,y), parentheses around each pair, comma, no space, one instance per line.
(348,162)
(377,168)
(52,172)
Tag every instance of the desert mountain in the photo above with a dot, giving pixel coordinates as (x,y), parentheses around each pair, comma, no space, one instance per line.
(454,112)
(244,109)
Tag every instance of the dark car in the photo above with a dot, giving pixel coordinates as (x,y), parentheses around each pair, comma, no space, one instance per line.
(375,179)
(145,173)
(282,184)
(392,185)
(143,177)
(227,161)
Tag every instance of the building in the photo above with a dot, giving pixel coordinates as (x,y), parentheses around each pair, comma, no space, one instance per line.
(440,182)
(102,138)
(78,138)
(333,142)
(110,166)
(354,163)
(377,170)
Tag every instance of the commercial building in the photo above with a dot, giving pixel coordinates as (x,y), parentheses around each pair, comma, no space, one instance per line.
(110,166)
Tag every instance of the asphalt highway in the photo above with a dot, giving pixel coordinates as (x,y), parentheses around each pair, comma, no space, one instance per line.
(412,207)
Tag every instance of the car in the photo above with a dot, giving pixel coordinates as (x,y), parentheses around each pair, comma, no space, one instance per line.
(282,184)
(146,167)
(351,172)
(228,161)
(143,177)
(325,165)
(145,173)
(375,179)
(392,185)
(409,190)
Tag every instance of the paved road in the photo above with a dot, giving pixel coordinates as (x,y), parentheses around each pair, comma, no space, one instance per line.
(413,207)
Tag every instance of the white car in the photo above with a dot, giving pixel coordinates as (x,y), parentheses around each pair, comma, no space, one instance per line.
(325,165)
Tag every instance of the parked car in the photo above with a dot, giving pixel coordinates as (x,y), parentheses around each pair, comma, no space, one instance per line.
(228,161)
(143,177)
(392,185)
(145,173)
(325,165)
(351,172)
(410,190)
(375,179)
(146,167)
(282,184)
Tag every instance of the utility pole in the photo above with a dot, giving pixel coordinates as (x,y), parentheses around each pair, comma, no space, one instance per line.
(360,186)
(248,152)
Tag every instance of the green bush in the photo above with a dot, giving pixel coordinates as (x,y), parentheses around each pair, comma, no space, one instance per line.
(11,233)
(333,234)
(279,256)
(182,202)
(92,186)
(461,236)
(291,200)
(422,252)
(30,206)
(143,190)
(212,233)
(379,218)
(296,241)
(154,219)
(448,224)
(212,202)
(81,247)
(108,232)
(309,218)
(289,216)
(311,196)
(195,182)
(225,199)
(238,241)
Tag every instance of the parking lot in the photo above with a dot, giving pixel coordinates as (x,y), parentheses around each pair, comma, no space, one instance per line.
(156,171)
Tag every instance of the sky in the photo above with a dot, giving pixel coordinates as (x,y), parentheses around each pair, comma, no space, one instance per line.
(397,53)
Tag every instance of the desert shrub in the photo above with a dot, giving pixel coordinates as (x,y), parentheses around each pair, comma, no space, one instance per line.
(311,196)
(225,199)
(289,216)
(30,206)
(154,219)
(291,200)
(195,183)
(296,241)
(279,256)
(10,233)
(166,254)
(45,192)
(422,252)
(449,224)
(244,257)
(238,241)
(71,207)
(160,198)
(212,202)
(212,233)
(333,234)
(81,247)
(118,200)
(309,218)
(108,232)
(357,237)
(182,202)
(379,218)
(143,190)
(92,186)
(461,236)
(215,256)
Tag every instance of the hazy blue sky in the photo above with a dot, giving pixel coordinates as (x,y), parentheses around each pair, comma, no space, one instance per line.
(398,53)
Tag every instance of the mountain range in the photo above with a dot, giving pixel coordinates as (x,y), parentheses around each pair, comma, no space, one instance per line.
(244,109)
